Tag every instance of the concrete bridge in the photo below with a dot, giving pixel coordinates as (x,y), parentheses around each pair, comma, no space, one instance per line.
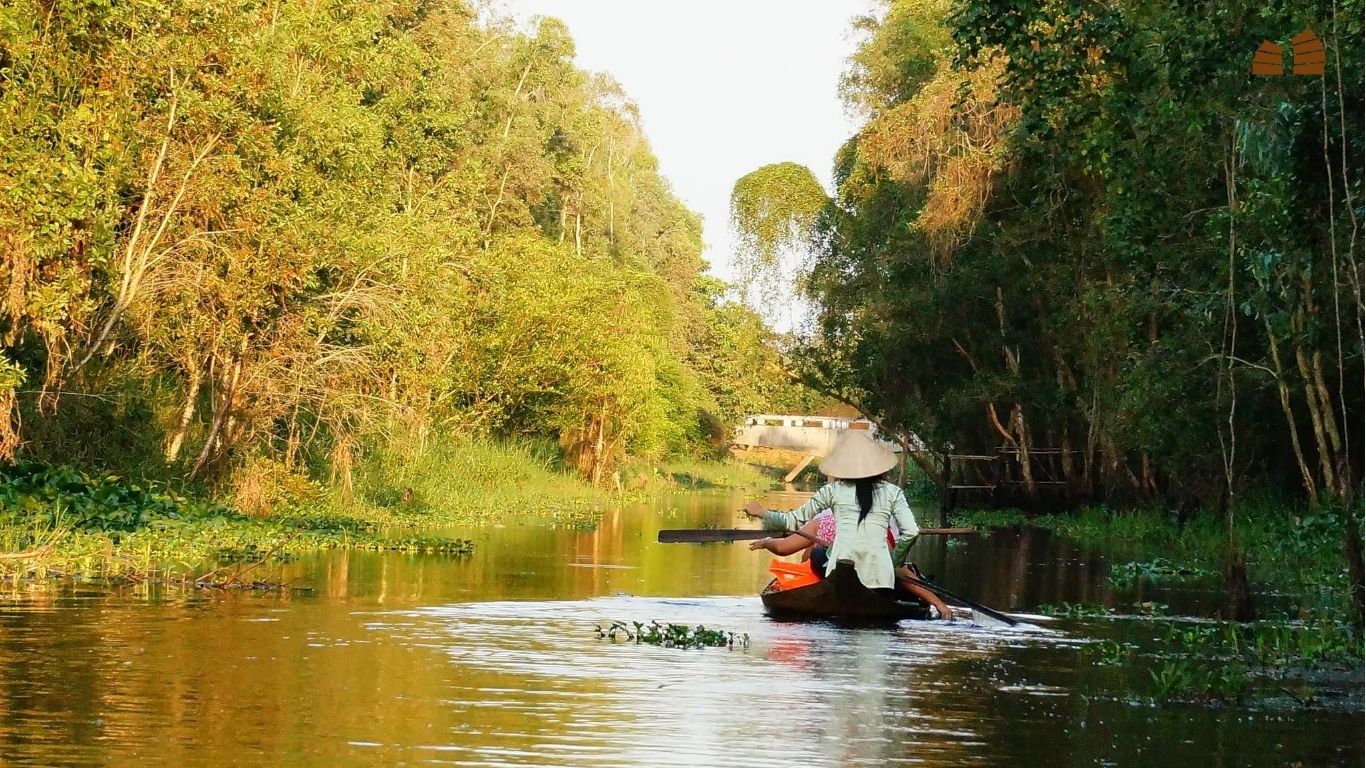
(813,435)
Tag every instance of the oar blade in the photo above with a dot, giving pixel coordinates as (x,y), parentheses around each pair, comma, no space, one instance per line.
(702,535)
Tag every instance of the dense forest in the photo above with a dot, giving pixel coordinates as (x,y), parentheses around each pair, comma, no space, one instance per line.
(1085,236)
(1088,229)
(282,233)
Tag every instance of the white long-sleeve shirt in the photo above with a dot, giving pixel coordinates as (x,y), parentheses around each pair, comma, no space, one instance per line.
(864,543)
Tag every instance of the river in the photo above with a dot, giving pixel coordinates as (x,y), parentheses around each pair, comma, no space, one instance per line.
(493,660)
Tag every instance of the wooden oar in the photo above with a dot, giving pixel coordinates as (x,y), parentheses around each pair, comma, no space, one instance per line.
(947,595)
(697,535)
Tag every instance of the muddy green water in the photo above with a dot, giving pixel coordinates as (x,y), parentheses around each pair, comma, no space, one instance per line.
(493,661)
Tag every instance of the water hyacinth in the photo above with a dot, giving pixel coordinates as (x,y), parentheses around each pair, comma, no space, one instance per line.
(671,635)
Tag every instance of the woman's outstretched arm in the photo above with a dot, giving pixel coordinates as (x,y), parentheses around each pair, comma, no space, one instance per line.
(790,545)
(820,501)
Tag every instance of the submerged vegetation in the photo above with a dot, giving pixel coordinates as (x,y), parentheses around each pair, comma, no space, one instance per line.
(1233,663)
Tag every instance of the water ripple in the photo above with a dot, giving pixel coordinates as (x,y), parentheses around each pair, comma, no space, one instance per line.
(543,689)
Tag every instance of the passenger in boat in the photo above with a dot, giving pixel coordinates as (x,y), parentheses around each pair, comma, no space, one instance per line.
(814,540)
(863,507)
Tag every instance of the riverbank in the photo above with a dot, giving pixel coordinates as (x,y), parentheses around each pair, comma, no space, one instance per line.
(63,523)
(1308,634)
(1293,551)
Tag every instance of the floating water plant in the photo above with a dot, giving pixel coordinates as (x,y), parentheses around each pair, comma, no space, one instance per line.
(1157,569)
(671,635)
(1075,610)
(1110,652)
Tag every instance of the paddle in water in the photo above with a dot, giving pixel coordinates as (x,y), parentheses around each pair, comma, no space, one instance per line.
(977,608)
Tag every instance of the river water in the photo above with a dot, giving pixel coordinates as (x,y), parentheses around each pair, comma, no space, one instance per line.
(493,660)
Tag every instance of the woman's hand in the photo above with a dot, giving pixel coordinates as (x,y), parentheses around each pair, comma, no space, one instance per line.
(755,509)
(759,544)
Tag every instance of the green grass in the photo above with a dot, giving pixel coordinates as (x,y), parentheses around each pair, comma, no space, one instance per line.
(470,483)
(474,482)
(701,475)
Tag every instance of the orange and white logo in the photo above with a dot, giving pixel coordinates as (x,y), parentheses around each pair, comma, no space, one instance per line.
(1306,48)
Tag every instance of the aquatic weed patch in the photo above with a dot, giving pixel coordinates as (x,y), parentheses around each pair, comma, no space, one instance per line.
(38,494)
(1269,664)
(671,635)
(1155,570)
(1075,610)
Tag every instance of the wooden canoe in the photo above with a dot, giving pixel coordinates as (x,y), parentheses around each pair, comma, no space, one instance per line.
(840,596)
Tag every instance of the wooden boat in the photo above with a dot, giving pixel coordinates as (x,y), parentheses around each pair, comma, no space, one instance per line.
(839,596)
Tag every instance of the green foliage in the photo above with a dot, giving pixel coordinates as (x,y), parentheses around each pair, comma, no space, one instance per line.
(453,481)
(988,518)
(60,521)
(1178,679)
(1059,214)
(1296,554)
(35,494)
(241,234)
(773,210)
(672,635)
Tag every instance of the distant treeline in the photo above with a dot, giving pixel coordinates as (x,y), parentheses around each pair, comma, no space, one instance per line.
(285,231)
(1085,234)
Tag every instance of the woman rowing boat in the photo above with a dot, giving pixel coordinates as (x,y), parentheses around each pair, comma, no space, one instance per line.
(864,506)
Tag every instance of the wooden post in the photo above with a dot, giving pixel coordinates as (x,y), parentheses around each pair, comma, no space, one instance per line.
(997,472)
(797,470)
(945,492)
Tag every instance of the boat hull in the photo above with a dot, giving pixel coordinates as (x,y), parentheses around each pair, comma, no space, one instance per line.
(839,596)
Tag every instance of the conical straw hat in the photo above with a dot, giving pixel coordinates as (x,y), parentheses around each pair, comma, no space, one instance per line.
(856,455)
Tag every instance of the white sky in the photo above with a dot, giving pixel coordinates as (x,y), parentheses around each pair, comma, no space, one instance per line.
(723,88)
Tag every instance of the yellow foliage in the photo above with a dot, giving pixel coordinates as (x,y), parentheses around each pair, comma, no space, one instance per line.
(950,137)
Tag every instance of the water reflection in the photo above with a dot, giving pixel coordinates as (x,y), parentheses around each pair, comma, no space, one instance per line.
(811,693)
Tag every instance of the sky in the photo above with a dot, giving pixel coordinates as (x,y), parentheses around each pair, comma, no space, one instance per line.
(723,88)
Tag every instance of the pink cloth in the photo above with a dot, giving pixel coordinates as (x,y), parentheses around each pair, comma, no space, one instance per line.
(825,529)
(825,526)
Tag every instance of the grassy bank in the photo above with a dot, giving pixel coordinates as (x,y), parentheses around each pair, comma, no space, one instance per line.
(62,522)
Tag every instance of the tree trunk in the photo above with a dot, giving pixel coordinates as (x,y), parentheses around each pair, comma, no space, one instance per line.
(1026,468)
(186,413)
(220,412)
(1306,475)
(1316,418)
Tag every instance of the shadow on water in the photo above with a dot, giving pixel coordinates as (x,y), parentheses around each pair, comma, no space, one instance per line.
(493,660)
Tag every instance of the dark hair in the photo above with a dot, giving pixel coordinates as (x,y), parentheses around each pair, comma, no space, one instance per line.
(863,491)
